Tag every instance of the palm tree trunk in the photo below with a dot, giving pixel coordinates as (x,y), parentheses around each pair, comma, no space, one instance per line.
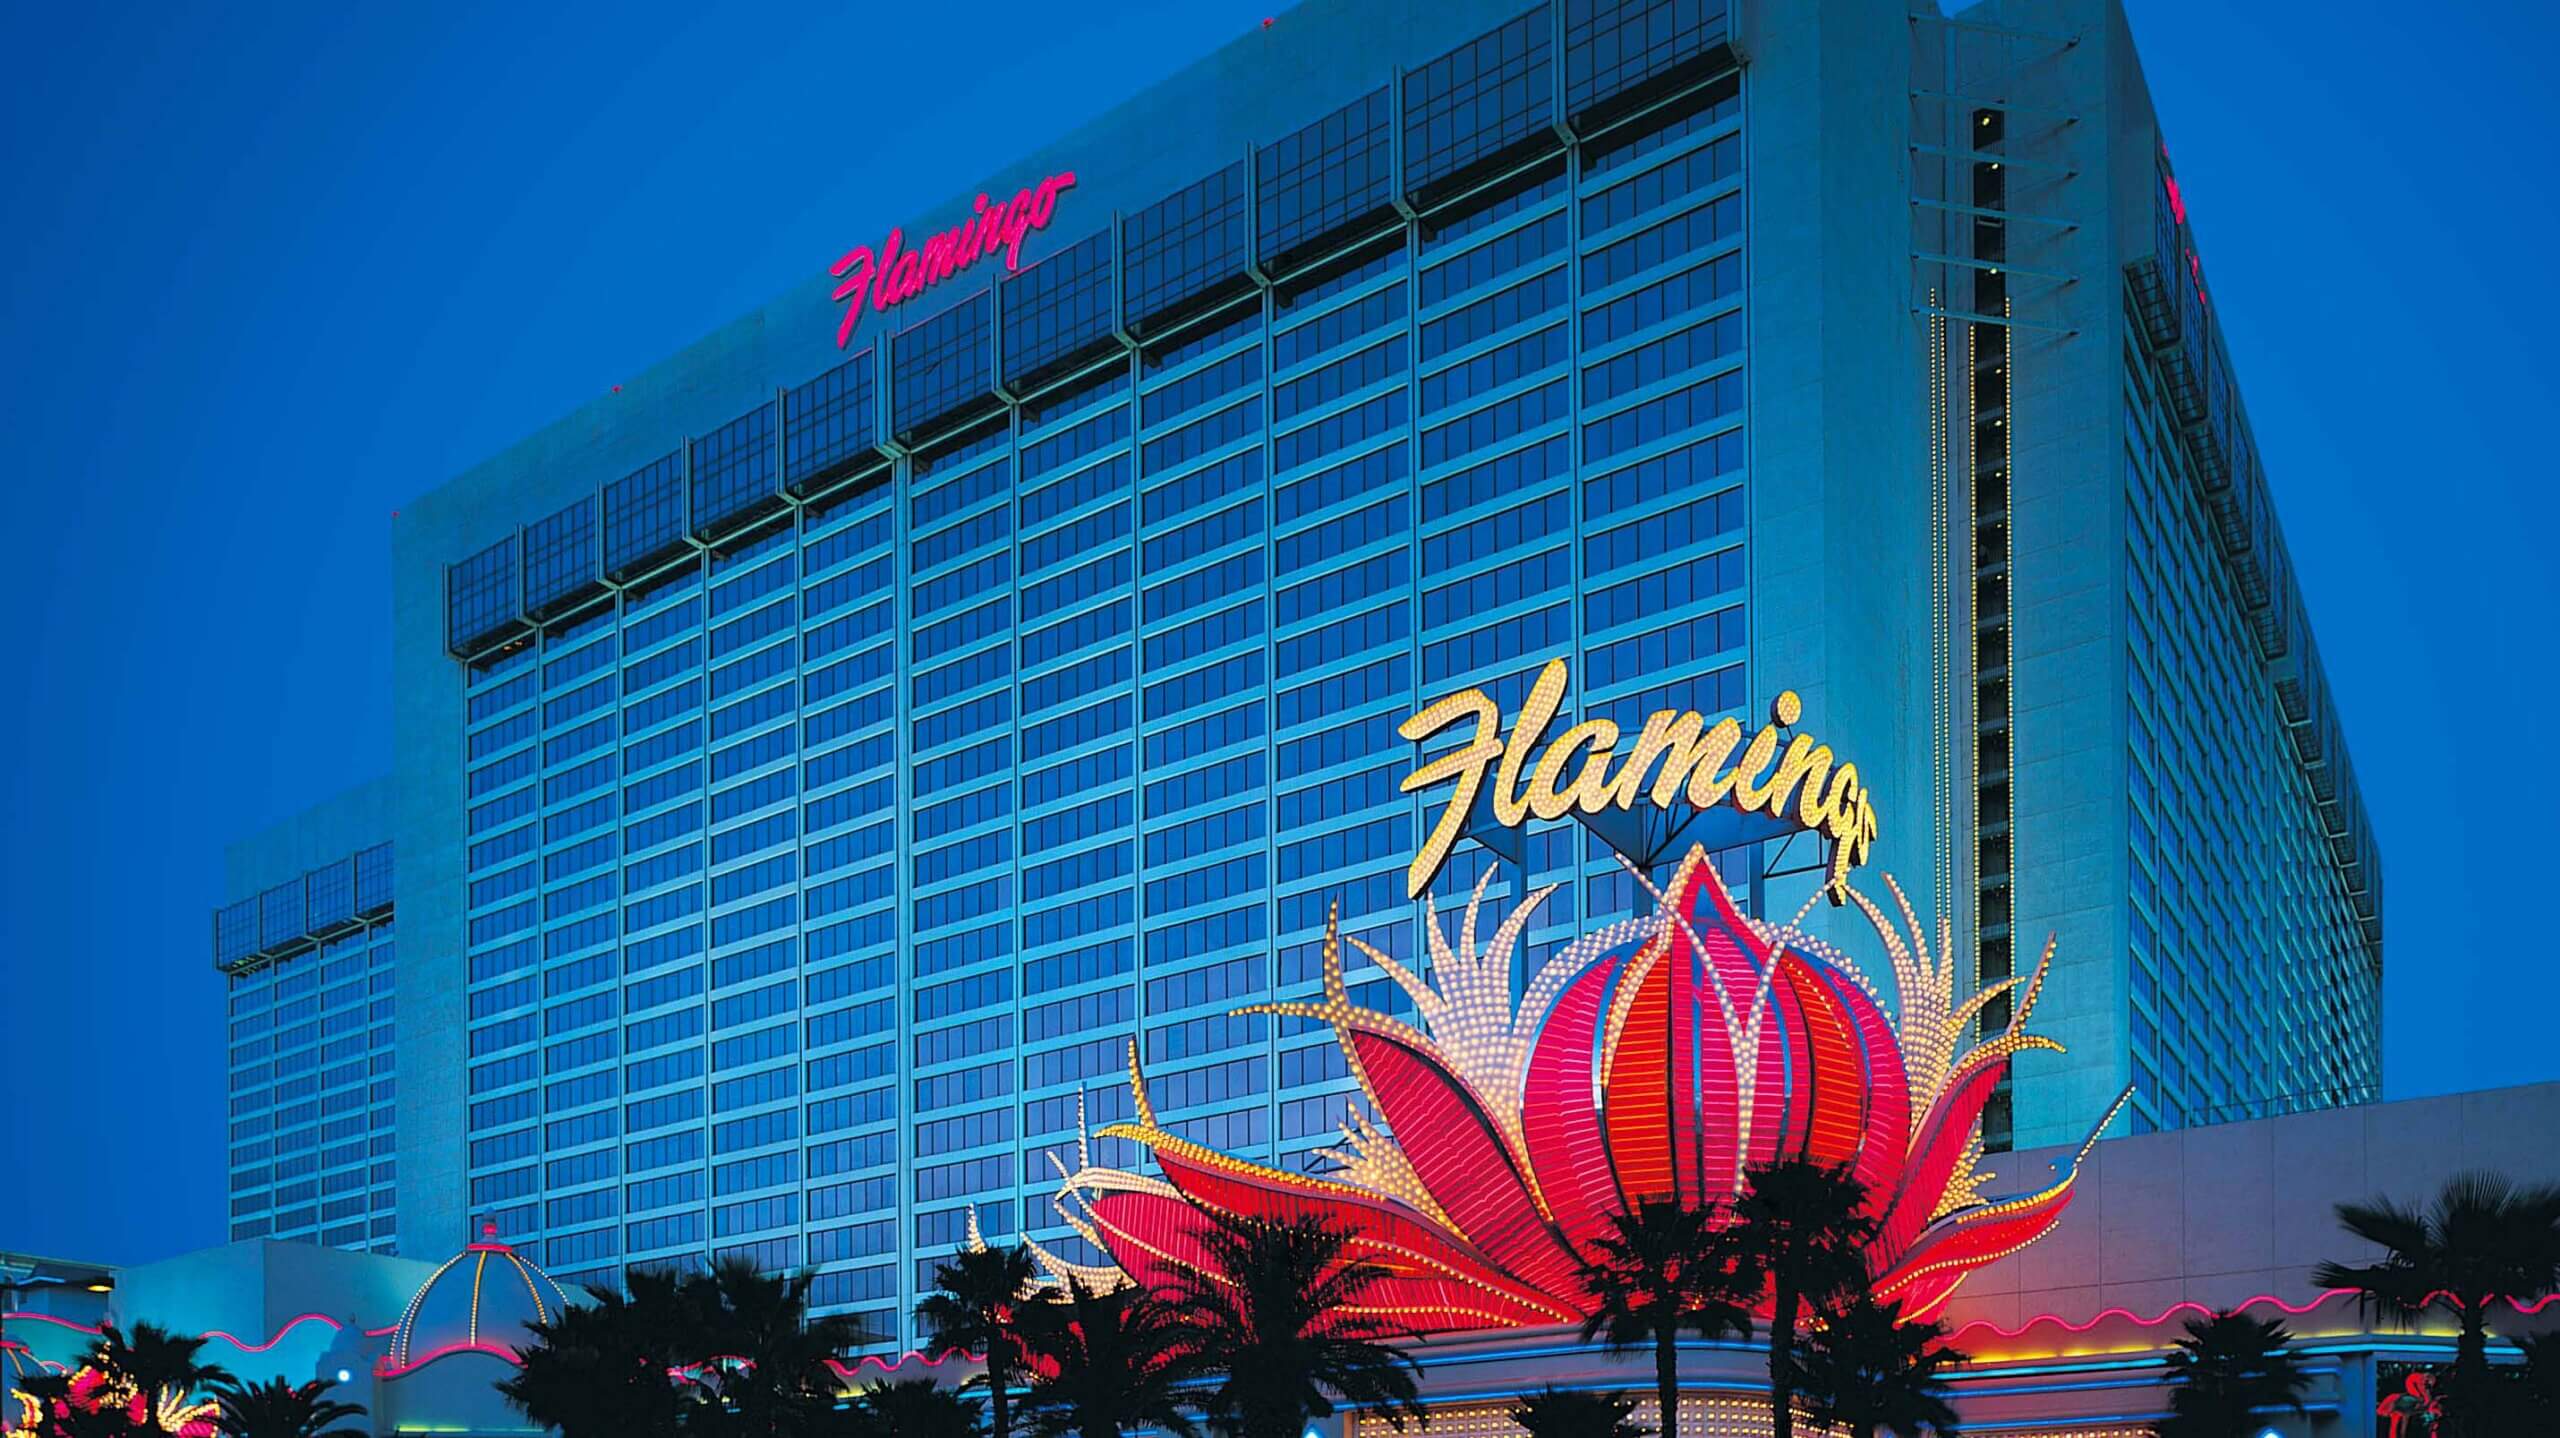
(1666,1382)
(2471,1362)
(1782,1362)
(999,1414)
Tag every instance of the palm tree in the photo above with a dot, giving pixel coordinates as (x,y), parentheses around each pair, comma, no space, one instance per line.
(752,1360)
(2538,1384)
(1868,1369)
(2227,1368)
(767,1359)
(1282,1331)
(2483,1241)
(601,1367)
(277,1409)
(64,1413)
(1107,1361)
(1807,1227)
(1554,1412)
(976,1296)
(1658,1271)
(2520,1398)
(911,1408)
(157,1362)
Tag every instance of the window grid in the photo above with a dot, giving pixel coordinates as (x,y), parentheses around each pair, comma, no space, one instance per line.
(1616,48)
(691,943)
(1478,101)
(942,365)
(1057,308)
(644,514)
(1183,247)
(733,469)
(1333,172)
(311,1101)
(828,421)
(480,595)
(560,556)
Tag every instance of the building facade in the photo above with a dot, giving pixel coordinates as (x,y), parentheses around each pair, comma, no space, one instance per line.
(2143,762)
(2066,1339)
(827,760)
(305,948)
(822,760)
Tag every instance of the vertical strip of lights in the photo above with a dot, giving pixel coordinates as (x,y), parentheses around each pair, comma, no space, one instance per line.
(1941,616)
(1988,383)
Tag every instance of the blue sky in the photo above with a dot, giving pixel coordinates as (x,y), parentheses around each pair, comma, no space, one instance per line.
(264,275)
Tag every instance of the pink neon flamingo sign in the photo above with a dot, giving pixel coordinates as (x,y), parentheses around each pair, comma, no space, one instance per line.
(891,274)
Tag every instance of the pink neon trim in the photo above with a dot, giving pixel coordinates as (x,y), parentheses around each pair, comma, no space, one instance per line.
(49,1318)
(384,1370)
(289,1325)
(242,1345)
(2175,1309)
(848,1371)
(842,1369)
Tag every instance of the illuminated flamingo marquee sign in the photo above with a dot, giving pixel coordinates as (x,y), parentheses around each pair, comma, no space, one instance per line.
(1679,765)
(891,274)
(1506,1121)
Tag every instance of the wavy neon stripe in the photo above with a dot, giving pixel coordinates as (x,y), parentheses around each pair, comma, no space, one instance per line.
(242,1344)
(849,1371)
(385,1370)
(289,1325)
(49,1318)
(2269,1300)
(842,1369)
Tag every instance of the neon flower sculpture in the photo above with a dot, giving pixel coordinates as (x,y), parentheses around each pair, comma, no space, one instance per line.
(1656,1058)
(93,1394)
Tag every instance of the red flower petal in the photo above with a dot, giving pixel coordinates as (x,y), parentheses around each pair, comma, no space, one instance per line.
(1936,1150)
(1389,1234)
(1462,1161)
(1557,1114)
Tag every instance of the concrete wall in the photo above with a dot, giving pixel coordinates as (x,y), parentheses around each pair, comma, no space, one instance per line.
(253,1288)
(322,834)
(1839,539)
(2222,1214)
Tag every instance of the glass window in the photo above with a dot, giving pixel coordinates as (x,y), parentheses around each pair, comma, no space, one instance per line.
(1058,309)
(480,596)
(943,365)
(560,557)
(828,422)
(1184,251)
(1618,52)
(733,469)
(644,515)
(1478,101)
(1332,173)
